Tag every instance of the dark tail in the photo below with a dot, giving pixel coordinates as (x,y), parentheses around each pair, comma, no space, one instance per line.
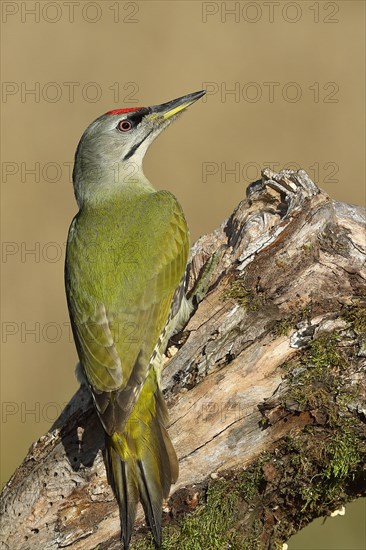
(142,465)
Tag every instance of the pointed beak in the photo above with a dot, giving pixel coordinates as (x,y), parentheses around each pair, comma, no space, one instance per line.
(172,108)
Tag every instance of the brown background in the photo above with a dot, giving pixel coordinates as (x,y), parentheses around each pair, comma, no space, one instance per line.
(297,69)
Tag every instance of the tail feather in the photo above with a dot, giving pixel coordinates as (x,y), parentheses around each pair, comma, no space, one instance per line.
(151,498)
(122,476)
(165,443)
(165,472)
(142,465)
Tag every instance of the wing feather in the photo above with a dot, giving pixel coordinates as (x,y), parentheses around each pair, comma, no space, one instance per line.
(119,311)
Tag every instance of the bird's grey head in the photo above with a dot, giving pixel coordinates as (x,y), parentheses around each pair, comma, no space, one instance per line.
(112,148)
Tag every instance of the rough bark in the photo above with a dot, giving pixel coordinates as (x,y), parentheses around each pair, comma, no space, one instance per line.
(266,391)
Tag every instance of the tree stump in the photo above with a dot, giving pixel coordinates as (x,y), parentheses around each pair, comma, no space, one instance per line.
(265,387)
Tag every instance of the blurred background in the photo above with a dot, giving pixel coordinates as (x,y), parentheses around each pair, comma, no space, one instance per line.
(285,88)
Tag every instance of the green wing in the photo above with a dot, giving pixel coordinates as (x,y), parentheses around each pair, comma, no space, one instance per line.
(120,280)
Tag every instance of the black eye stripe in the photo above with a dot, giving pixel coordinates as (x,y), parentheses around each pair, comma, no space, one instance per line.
(137,116)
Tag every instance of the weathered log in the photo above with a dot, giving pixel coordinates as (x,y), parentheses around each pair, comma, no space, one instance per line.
(265,386)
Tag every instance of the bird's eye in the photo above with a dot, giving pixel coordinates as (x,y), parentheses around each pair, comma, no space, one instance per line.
(124,125)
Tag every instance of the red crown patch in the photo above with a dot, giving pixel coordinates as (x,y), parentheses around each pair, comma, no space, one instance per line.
(123,111)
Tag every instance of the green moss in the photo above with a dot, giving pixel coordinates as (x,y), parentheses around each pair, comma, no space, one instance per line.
(356,315)
(316,385)
(343,454)
(143,544)
(307,473)
(307,248)
(206,527)
(310,472)
(251,481)
(314,377)
(213,524)
(244,296)
(324,353)
(328,463)
(283,327)
(253,541)
(305,313)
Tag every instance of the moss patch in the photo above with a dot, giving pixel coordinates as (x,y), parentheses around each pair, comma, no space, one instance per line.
(215,524)
(355,314)
(261,507)
(333,449)
(314,378)
(307,248)
(244,296)
(283,327)
(310,473)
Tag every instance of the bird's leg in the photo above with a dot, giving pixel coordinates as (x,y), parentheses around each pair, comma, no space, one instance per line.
(203,284)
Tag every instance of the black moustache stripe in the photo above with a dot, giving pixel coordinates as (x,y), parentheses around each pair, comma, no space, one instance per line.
(133,149)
